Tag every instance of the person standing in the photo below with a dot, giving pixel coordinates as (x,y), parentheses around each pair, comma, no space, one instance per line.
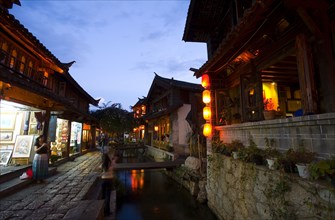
(41,160)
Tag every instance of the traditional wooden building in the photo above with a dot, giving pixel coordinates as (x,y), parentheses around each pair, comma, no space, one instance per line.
(170,114)
(139,110)
(38,94)
(267,55)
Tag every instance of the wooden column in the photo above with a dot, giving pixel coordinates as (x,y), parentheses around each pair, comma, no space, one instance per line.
(306,75)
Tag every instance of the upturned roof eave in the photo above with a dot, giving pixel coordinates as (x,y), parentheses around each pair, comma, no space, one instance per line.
(227,49)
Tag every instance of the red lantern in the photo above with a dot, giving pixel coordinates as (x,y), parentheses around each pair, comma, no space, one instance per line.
(207,113)
(205,81)
(206,96)
(207,130)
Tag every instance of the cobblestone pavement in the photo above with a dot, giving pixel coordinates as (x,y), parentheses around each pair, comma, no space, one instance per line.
(54,198)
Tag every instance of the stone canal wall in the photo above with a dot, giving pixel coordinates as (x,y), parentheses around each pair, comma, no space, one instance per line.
(239,190)
(315,132)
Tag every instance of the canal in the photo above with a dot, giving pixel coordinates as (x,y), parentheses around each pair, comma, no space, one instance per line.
(151,194)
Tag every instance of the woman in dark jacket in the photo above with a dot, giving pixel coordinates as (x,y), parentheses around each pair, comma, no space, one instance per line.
(41,160)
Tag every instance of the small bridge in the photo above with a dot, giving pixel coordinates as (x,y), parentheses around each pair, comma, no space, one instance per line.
(148,165)
(130,147)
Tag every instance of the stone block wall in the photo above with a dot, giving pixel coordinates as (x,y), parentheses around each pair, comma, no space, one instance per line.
(315,132)
(239,190)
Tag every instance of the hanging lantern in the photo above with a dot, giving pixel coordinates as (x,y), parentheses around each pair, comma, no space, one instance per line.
(207,129)
(205,81)
(207,113)
(206,96)
(156,128)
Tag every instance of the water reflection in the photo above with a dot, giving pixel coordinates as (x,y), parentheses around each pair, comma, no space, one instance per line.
(150,194)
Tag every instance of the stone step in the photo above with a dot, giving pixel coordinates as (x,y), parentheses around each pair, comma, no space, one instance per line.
(86,209)
(14,183)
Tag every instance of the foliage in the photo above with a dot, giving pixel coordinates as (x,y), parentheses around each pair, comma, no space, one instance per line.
(218,146)
(252,153)
(54,158)
(226,148)
(114,119)
(323,169)
(268,104)
(300,155)
(280,207)
(235,145)
(270,150)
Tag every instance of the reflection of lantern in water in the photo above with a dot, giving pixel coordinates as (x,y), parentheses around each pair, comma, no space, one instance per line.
(137,180)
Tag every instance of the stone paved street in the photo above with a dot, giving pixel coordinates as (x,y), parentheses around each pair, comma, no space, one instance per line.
(54,198)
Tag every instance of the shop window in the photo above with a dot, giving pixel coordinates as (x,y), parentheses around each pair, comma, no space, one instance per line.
(270,96)
(45,78)
(13,58)
(4,51)
(75,138)
(59,147)
(30,69)
(22,64)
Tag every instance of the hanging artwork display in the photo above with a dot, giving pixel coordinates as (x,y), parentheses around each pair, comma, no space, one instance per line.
(6,136)
(5,156)
(7,121)
(23,146)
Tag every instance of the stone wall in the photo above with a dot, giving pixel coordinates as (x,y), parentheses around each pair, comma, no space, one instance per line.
(158,154)
(315,132)
(239,190)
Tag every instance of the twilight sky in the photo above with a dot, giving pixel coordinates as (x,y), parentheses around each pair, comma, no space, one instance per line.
(117,44)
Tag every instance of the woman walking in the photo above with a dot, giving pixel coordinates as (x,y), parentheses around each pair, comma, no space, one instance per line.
(41,161)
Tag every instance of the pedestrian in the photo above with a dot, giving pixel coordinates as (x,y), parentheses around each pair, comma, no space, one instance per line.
(41,161)
(106,162)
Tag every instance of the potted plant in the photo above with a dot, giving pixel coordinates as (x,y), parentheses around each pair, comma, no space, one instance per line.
(323,169)
(301,157)
(252,154)
(269,109)
(271,153)
(218,146)
(226,116)
(234,147)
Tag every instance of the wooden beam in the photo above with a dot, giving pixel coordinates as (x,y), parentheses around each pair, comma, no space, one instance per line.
(309,21)
(306,74)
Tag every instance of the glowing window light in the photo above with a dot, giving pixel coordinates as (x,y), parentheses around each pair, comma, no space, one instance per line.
(206,96)
(156,128)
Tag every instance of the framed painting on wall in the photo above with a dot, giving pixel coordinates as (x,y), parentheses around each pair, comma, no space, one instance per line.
(5,156)
(33,129)
(7,121)
(6,135)
(23,146)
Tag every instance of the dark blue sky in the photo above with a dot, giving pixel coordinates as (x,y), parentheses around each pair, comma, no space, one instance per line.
(117,45)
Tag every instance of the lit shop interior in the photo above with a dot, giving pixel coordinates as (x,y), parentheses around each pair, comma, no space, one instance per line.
(20,125)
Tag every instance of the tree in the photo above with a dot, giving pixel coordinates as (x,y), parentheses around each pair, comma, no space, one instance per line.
(113,119)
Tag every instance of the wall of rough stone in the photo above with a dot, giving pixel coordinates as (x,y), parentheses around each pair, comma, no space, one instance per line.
(315,132)
(239,190)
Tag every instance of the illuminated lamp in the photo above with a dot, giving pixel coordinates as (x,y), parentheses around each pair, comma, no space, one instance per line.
(135,129)
(207,113)
(205,80)
(206,96)
(156,128)
(207,129)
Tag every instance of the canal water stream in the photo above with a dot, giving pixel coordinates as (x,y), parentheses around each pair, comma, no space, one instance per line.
(151,195)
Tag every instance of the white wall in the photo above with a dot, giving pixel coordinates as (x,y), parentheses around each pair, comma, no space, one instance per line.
(184,127)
